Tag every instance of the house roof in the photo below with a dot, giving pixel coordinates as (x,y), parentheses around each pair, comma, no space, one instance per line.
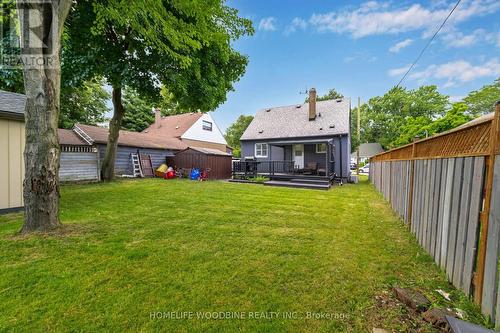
(369,149)
(174,126)
(133,139)
(293,121)
(70,138)
(12,105)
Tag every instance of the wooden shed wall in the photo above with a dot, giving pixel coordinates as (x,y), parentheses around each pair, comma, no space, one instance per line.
(79,166)
(220,166)
(12,140)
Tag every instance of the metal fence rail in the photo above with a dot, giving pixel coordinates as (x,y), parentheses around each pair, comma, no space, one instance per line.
(446,188)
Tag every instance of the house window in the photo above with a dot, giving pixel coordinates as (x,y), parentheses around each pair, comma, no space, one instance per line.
(261,150)
(321,148)
(207,126)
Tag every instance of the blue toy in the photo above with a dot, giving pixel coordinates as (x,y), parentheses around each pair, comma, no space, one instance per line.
(195,174)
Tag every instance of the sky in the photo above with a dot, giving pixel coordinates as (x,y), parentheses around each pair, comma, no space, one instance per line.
(360,48)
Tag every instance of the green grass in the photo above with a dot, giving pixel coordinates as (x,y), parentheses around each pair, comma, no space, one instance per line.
(132,248)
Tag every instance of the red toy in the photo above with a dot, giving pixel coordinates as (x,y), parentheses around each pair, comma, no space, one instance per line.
(170,175)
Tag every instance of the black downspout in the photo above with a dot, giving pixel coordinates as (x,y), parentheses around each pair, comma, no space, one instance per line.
(340,159)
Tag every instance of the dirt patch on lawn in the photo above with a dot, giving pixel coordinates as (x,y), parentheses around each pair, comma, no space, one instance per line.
(392,315)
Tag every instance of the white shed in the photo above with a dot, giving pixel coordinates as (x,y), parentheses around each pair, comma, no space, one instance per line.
(11,150)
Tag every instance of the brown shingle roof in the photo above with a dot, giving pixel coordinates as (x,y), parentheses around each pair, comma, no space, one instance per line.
(134,139)
(70,138)
(174,126)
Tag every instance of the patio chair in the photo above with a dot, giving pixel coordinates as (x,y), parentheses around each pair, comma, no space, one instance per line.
(311,168)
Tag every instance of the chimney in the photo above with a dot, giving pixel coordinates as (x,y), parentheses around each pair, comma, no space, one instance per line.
(157,118)
(312,104)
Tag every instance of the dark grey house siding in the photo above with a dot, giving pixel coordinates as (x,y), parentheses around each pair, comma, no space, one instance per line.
(342,146)
(123,163)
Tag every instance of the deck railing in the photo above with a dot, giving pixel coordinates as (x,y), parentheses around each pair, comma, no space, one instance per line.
(265,168)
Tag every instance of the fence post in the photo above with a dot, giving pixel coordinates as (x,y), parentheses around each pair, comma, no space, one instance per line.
(410,195)
(484,216)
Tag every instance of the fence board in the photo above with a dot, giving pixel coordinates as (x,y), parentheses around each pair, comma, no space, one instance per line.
(435,208)
(473,230)
(455,211)
(447,211)
(442,194)
(492,249)
(463,222)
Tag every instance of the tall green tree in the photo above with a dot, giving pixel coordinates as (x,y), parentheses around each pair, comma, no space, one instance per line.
(332,94)
(42,85)
(184,46)
(483,100)
(86,103)
(11,79)
(138,112)
(235,131)
(385,118)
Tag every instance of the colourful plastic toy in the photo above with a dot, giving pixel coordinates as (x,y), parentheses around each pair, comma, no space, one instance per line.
(195,174)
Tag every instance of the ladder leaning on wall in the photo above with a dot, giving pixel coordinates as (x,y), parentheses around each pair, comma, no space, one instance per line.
(136,165)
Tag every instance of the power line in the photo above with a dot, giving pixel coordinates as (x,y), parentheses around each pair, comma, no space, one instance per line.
(428,43)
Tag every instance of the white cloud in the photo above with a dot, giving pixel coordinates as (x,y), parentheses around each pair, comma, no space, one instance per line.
(267,24)
(297,23)
(457,98)
(375,18)
(399,71)
(457,39)
(401,45)
(458,71)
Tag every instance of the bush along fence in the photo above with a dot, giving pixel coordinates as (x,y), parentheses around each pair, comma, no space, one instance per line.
(446,188)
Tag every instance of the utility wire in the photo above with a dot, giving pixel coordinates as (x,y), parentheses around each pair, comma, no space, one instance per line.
(428,43)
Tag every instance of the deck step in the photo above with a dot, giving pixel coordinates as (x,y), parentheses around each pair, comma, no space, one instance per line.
(297,185)
(310,181)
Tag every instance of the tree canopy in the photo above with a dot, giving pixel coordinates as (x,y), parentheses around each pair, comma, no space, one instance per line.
(235,131)
(86,103)
(483,100)
(138,112)
(385,119)
(183,46)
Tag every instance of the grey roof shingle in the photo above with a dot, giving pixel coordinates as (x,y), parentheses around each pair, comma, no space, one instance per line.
(12,104)
(293,121)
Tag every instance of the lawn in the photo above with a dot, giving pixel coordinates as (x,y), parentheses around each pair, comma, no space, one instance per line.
(154,255)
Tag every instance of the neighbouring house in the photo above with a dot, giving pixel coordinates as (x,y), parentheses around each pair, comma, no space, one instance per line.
(12,140)
(303,141)
(84,146)
(367,150)
(194,129)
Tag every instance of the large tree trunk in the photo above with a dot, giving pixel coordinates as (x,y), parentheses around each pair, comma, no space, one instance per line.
(42,75)
(108,164)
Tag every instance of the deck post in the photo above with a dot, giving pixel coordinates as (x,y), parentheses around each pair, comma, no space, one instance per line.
(484,215)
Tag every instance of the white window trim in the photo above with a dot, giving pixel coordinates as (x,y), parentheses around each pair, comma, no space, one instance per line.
(321,152)
(262,144)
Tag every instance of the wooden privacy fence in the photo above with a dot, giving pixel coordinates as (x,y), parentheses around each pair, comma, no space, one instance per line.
(446,188)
